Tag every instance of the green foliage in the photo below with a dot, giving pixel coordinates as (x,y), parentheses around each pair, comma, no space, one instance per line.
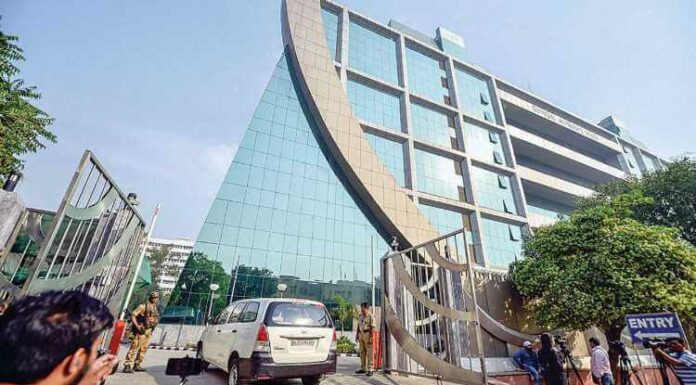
(199,272)
(671,192)
(601,264)
(22,125)
(254,282)
(344,313)
(345,345)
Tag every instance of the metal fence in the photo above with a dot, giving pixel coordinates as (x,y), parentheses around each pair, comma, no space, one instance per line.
(430,321)
(88,244)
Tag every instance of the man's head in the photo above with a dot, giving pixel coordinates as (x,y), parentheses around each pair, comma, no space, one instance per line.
(676,344)
(364,308)
(527,345)
(53,336)
(153,297)
(594,342)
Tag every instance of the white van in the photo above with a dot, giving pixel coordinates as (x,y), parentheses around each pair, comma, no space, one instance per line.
(271,338)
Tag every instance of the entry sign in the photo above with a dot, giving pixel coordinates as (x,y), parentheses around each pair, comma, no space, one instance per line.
(659,325)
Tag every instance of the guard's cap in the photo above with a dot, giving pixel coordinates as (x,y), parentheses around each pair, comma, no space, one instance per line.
(527,344)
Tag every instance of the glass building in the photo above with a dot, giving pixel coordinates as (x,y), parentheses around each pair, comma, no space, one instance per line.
(306,204)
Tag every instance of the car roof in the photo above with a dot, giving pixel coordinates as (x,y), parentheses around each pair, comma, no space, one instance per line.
(286,300)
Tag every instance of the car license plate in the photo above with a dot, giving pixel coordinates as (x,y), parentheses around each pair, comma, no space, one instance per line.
(301,342)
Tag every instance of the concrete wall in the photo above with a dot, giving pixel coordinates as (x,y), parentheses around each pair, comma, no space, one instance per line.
(177,335)
(11,211)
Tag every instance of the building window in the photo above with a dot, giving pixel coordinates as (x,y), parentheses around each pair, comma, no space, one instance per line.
(487,116)
(498,157)
(484,98)
(443,82)
(493,137)
(503,181)
(447,100)
(507,207)
(514,233)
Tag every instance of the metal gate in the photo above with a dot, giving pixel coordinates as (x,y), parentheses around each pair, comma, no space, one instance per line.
(429,311)
(87,245)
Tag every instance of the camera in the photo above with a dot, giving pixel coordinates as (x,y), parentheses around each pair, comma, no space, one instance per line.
(619,347)
(655,343)
(560,340)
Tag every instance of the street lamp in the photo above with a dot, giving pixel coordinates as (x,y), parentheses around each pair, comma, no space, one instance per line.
(281,288)
(213,288)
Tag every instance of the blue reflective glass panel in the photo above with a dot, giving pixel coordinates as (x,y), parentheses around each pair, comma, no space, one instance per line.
(482,143)
(330,20)
(375,106)
(474,96)
(425,76)
(493,190)
(503,242)
(438,175)
(391,153)
(372,53)
(432,126)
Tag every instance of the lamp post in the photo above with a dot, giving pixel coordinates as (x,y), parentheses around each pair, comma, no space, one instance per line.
(281,288)
(213,288)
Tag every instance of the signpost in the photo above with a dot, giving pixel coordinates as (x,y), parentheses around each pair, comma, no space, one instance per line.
(653,326)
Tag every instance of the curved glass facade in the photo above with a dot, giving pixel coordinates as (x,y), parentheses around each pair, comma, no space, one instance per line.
(283,213)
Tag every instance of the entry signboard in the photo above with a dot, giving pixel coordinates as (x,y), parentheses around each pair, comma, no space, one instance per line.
(653,326)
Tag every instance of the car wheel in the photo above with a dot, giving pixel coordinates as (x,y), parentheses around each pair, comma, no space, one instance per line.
(311,380)
(233,373)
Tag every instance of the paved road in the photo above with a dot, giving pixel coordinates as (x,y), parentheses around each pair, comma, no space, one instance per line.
(156,361)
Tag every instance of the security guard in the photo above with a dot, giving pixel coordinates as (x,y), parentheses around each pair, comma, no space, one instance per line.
(366,324)
(143,321)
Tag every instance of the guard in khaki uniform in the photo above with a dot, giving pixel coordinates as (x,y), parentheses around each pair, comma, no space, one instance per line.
(366,324)
(143,321)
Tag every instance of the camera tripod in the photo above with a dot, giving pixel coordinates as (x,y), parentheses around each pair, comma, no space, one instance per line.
(569,358)
(625,367)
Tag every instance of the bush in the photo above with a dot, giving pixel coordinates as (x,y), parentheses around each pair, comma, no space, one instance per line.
(345,345)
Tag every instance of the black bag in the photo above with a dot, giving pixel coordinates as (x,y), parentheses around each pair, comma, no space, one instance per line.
(187,366)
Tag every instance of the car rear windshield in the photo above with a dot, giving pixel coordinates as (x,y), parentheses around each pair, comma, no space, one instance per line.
(298,314)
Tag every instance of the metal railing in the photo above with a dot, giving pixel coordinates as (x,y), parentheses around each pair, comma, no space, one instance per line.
(430,311)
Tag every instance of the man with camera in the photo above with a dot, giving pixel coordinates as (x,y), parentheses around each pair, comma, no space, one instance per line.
(682,361)
(53,339)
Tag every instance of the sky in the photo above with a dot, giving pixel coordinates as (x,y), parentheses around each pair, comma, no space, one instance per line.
(162,90)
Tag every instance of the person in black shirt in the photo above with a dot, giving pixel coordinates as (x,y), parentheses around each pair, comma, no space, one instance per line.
(551,362)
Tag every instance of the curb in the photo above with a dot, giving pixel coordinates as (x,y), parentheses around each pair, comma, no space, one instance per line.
(348,355)
(158,347)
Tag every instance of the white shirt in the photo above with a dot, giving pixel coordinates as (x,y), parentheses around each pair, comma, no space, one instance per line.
(600,362)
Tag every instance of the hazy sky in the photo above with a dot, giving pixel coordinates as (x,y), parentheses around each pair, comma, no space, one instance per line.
(162,91)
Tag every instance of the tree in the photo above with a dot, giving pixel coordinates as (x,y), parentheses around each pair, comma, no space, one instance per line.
(158,265)
(22,125)
(673,196)
(197,275)
(601,264)
(253,282)
(344,312)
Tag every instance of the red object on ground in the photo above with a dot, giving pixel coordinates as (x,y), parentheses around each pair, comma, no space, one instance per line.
(376,350)
(116,336)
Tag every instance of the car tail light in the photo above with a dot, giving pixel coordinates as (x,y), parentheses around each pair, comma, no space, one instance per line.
(333,340)
(262,342)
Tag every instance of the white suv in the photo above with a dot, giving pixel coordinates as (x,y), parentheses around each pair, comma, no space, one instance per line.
(270,338)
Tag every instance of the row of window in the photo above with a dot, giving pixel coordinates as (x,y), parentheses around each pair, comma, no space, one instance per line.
(238,312)
(375,54)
